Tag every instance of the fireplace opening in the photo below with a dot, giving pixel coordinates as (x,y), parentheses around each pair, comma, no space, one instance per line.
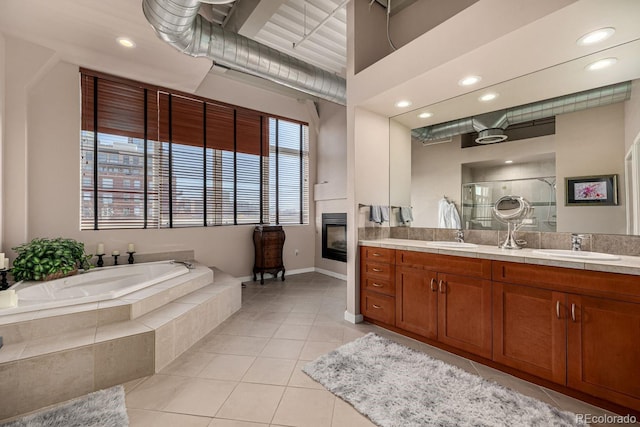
(334,236)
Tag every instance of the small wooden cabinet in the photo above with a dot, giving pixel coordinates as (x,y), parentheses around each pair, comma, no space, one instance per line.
(377,292)
(268,241)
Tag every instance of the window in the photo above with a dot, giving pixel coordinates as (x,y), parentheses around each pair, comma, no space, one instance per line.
(153,159)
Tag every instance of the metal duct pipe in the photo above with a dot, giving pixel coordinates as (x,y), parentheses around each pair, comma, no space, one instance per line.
(489,124)
(177,22)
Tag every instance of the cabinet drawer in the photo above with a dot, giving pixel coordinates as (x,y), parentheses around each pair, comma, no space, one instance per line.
(383,286)
(464,266)
(377,270)
(378,307)
(381,255)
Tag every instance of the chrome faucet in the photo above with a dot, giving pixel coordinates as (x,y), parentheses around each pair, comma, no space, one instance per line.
(460,236)
(576,241)
(185,263)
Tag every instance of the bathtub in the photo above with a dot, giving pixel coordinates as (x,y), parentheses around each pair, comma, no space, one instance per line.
(95,285)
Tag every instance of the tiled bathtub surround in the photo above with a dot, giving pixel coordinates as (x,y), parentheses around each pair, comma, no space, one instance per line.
(63,353)
(606,243)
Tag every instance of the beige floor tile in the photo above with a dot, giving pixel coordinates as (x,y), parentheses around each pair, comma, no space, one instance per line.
(232,344)
(252,402)
(219,422)
(344,415)
(283,349)
(305,407)
(299,319)
(155,392)
(250,328)
(292,332)
(300,379)
(201,397)
(227,367)
(146,418)
(314,349)
(306,307)
(130,385)
(270,371)
(269,316)
(189,364)
(326,333)
(352,334)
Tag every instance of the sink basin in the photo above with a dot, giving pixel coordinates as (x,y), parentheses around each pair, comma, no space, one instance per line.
(445,244)
(565,253)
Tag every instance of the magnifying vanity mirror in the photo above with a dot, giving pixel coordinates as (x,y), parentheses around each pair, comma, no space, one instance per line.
(513,211)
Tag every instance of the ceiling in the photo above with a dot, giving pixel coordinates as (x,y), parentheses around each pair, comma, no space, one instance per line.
(84,33)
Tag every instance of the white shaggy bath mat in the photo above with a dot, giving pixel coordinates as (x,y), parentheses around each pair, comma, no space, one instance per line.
(396,386)
(104,408)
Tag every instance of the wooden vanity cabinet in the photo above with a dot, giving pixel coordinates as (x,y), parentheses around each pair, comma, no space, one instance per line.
(377,284)
(574,327)
(438,297)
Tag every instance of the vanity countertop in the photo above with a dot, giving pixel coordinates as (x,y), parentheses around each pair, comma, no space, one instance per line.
(624,265)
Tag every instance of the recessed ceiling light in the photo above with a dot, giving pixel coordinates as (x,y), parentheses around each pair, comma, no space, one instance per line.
(488,97)
(508,161)
(425,115)
(469,80)
(603,63)
(596,36)
(403,104)
(126,42)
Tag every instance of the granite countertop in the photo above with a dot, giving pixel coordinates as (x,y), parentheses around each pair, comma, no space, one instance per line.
(625,265)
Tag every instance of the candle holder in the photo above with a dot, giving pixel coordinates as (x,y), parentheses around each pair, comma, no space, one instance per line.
(115,259)
(130,259)
(100,262)
(4,284)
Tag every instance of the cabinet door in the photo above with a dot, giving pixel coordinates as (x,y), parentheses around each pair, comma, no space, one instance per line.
(604,349)
(417,301)
(530,327)
(464,313)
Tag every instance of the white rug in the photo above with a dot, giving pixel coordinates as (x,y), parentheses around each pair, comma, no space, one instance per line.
(396,386)
(104,408)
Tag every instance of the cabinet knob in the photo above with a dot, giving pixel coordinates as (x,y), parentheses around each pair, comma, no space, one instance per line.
(377,270)
(375,254)
(441,286)
(573,312)
(558,309)
(375,306)
(377,285)
(432,285)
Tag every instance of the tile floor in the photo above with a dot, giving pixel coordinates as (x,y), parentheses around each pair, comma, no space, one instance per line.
(247,372)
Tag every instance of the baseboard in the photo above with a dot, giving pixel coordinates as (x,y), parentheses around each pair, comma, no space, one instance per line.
(331,273)
(353,318)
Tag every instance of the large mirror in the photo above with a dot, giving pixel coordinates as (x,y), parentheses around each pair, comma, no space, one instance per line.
(534,163)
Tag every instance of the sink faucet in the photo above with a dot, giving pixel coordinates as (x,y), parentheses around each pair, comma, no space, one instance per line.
(460,236)
(576,241)
(185,263)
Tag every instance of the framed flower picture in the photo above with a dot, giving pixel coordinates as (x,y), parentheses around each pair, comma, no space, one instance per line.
(598,190)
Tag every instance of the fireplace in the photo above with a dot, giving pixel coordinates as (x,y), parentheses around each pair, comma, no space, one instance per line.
(334,236)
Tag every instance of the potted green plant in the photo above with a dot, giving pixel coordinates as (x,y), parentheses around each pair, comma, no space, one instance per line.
(48,259)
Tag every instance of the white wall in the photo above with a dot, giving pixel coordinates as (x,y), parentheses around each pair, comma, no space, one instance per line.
(42,171)
(331,175)
(591,142)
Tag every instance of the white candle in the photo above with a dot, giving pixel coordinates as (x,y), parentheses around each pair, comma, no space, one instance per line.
(7,264)
(132,248)
(100,249)
(1,259)
(114,253)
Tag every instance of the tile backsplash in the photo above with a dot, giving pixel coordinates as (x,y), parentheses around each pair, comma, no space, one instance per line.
(607,243)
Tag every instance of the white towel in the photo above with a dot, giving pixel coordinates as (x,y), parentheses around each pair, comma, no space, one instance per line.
(384,210)
(443,210)
(454,218)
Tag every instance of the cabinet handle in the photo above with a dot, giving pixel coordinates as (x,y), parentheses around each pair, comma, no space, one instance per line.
(573,312)
(375,254)
(558,309)
(377,285)
(377,270)
(375,306)
(441,286)
(432,285)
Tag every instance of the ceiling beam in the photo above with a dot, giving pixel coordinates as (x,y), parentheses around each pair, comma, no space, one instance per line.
(259,12)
